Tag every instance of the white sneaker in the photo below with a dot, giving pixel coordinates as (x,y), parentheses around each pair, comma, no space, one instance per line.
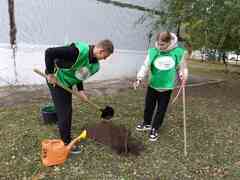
(153,136)
(143,127)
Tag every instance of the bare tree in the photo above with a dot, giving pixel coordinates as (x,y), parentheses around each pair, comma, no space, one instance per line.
(13,29)
(13,32)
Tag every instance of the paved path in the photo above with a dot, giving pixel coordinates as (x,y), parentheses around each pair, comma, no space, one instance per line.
(14,95)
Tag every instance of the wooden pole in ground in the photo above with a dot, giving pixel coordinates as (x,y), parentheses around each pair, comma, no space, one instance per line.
(184,121)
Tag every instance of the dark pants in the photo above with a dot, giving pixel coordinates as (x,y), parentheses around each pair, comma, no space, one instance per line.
(155,98)
(62,100)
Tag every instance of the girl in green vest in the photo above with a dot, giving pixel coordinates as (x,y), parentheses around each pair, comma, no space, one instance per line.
(70,66)
(162,65)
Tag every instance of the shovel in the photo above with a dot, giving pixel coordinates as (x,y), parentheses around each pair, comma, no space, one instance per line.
(106,113)
(55,152)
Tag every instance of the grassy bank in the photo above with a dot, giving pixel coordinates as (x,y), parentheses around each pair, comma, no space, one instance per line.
(213,133)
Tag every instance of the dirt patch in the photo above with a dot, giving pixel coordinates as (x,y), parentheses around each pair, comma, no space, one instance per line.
(20,95)
(116,137)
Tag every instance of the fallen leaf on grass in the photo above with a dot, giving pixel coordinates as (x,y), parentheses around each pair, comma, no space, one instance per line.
(38,176)
(237,163)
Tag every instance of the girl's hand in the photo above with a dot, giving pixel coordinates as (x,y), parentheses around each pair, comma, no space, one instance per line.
(183,77)
(136,84)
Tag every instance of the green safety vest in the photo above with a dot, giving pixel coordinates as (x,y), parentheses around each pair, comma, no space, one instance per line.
(163,67)
(79,71)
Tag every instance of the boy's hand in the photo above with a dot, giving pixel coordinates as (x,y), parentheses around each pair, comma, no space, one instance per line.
(82,95)
(52,79)
(136,84)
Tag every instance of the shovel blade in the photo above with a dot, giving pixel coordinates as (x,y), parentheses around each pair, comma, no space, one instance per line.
(107,113)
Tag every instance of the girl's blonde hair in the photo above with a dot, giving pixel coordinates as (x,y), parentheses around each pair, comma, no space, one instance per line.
(164,36)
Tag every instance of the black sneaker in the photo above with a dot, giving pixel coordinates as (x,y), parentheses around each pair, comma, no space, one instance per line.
(75,150)
(143,127)
(153,136)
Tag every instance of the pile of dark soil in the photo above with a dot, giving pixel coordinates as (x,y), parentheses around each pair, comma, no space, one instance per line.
(116,137)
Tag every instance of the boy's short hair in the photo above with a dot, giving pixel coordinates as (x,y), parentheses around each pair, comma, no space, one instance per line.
(164,36)
(107,45)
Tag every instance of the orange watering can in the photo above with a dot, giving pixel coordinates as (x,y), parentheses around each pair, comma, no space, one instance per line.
(55,152)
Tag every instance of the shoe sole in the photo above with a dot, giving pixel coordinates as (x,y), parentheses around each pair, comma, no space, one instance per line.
(145,129)
(152,140)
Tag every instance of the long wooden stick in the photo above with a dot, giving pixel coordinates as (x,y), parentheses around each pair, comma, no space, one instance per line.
(178,93)
(184,121)
(67,89)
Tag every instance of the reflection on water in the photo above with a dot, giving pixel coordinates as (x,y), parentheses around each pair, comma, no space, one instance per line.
(58,22)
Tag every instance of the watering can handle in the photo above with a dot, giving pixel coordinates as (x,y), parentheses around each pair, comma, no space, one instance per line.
(67,89)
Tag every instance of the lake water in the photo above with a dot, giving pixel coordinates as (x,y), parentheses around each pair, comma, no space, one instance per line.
(61,21)
(45,23)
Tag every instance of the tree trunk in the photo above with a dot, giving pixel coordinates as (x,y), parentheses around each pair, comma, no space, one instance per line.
(12,33)
(13,29)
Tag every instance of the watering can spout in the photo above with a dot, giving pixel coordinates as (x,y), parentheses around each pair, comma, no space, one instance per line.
(83,135)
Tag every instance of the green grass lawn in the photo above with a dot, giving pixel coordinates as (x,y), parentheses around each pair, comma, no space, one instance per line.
(213,133)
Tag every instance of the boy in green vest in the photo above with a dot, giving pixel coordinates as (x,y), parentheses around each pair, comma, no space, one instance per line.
(162,65)
(71,65)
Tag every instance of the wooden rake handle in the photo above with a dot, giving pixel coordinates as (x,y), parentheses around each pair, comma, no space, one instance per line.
(68,89)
